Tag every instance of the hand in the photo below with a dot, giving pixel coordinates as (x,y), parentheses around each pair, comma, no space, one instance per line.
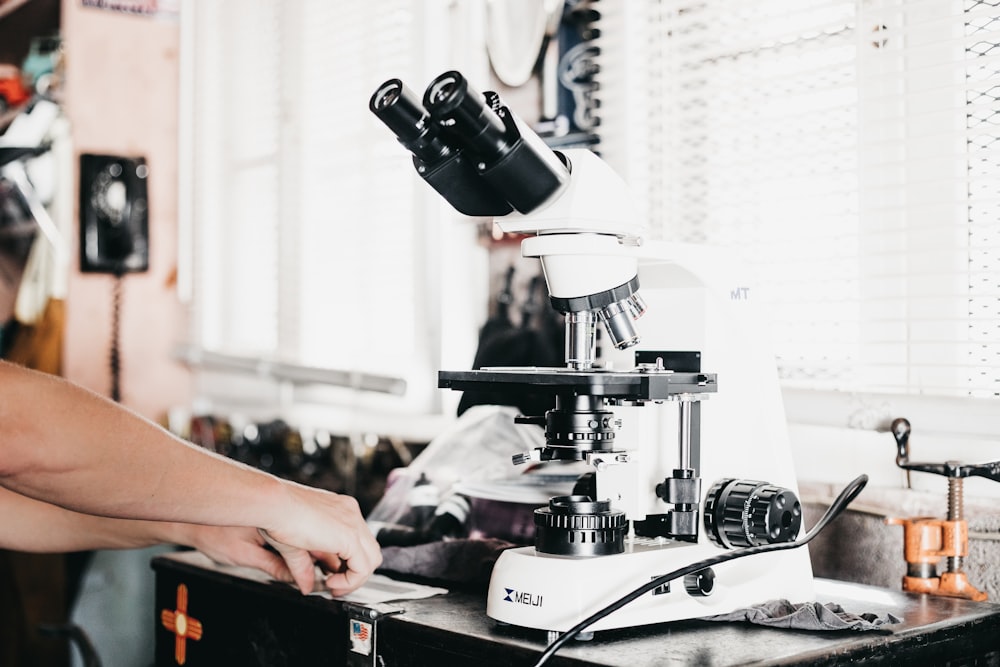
(328,529)
(243,547)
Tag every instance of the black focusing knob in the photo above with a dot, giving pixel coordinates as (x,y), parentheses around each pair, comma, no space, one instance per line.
(700,584)
(579,526)
(746,513)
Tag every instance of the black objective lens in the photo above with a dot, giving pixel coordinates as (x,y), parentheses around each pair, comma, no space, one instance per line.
(463,112)
(746,513)
(398,107)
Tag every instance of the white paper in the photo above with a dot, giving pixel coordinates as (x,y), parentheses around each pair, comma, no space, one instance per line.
(380,588)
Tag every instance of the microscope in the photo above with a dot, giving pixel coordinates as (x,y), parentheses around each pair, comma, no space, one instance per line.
(678,433)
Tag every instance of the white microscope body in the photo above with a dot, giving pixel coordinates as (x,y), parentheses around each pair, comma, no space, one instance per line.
(676,478)
(697,300)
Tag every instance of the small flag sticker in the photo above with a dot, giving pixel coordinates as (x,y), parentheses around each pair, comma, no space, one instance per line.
(361,637)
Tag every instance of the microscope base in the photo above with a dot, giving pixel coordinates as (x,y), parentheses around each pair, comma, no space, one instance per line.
(554,593)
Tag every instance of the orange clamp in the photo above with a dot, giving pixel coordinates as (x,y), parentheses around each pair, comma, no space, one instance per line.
(925,541)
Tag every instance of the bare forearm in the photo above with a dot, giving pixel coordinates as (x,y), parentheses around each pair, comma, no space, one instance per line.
(36,526)
(69,447)
(63,445)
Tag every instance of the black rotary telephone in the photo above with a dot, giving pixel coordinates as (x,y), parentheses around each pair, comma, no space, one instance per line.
(114,223)
(114,230)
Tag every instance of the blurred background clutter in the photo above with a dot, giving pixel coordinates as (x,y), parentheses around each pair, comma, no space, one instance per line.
(200,219)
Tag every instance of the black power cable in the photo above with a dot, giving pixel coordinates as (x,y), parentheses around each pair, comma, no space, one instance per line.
(849,493)
(114,356)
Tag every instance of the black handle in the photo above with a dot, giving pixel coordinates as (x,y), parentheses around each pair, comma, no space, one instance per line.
(953,469)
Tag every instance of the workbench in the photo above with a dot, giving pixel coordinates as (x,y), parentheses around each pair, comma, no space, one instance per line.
(231,617)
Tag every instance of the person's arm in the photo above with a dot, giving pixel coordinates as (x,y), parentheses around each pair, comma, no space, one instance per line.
(34,526)
(67,446)
(37,527)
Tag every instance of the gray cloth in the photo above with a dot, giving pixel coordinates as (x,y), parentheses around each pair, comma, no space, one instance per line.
(807,616)
(461,561)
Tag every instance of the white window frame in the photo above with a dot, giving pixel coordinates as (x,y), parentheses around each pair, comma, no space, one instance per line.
(450,265)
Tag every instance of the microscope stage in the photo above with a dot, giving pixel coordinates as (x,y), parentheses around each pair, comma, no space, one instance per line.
(624,385)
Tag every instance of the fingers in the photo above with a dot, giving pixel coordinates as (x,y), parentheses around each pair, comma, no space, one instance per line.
(303,570)
(342,583)
(231,545)
(299,563)
(269,563)
(329,528)
(344,576)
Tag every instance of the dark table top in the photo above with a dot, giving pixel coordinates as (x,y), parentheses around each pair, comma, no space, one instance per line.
(935,630)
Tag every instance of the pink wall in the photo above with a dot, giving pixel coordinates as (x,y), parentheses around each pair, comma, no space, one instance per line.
(121,98)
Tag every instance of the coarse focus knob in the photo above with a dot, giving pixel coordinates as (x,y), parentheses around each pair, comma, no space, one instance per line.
(579,526)
(745,513)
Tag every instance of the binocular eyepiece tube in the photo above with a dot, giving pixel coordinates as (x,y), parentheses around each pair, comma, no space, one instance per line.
(479,158)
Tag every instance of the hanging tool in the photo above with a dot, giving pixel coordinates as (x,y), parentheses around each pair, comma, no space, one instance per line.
(926,540)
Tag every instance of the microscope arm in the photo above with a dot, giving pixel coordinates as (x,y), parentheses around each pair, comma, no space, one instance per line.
(483,160)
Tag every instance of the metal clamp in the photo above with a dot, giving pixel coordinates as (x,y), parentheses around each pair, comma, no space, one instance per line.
(927,539)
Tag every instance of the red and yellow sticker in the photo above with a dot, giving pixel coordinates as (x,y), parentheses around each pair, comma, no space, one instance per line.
(183,626)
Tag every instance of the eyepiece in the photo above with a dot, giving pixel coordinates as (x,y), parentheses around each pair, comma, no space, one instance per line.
(455,106)
(386,95)
(446,92)
(400,109)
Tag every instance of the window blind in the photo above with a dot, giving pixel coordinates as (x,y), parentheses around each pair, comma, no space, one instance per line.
(850,149)
(308,229)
